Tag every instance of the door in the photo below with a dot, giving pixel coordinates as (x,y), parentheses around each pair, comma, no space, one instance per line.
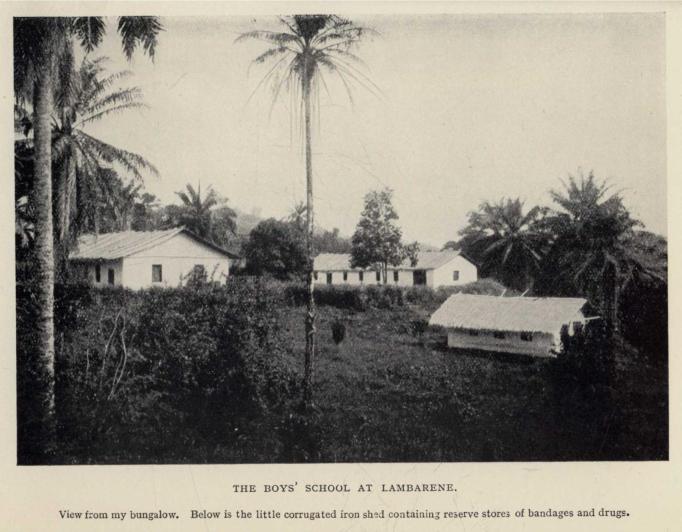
(329,278)
(419,277)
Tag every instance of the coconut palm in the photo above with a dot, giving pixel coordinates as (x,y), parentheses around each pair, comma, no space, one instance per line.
(43,52)
(87,95)
(196,215)
(594,231)
(508,242)
(307,46)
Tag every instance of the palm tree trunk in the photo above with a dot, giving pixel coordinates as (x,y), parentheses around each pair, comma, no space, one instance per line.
(43,379)
(310,315)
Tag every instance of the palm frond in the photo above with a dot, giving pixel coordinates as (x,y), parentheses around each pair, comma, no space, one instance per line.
(136,31)
(278,38)
(132,162)
(89,31)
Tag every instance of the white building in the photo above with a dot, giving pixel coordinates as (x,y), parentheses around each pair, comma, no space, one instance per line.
(142,259)
(433,268)
(524,325)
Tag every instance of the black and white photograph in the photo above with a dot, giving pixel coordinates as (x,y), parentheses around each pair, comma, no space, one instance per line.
(340,238)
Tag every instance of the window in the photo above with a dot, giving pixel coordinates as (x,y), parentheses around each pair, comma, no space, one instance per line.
(361,276)
(345,276)
(455,275)
(157,274)
(395,276)
(499,334)
(527,336)
(110,275)
(473,332)
(315,275)
(329,278)
(98,273)
(378,276)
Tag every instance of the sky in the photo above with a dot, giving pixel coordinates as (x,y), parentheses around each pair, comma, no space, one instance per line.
(469,108)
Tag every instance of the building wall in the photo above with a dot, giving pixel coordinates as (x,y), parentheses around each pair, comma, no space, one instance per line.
(443,276)
(353,278)
(540,345)
(177,258)
(104,267)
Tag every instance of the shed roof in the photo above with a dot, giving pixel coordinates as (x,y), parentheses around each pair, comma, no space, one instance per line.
(426,260)
(530,314)
(110,246)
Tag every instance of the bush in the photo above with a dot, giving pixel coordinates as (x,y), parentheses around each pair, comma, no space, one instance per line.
(360,298)
(338,332)
(142,375)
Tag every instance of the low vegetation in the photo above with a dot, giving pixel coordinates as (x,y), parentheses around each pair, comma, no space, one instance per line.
(212,375)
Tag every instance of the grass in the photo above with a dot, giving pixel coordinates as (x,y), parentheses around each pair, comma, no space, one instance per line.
(384,395)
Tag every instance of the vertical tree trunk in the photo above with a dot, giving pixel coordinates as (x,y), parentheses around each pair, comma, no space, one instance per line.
(310,315)
(611,293)
(43,378)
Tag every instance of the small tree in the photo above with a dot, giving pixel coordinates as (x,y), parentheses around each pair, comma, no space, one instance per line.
(377,240)
(274,248)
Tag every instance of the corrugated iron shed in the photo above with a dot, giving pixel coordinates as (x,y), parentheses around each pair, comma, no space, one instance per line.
(519,314)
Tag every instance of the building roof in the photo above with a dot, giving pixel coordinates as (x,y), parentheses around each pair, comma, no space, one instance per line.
(495,313)
(110,246)
(426,260)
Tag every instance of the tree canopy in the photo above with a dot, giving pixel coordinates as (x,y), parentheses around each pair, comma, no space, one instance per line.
(377,241)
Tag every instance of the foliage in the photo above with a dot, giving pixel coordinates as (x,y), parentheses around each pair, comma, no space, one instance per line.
(506,242)
(591,250)
(170,369)
(210,376)
(43,53)
(274,249)
(377,239)
(362,298)
(331,242)
(195,213)
(83,164)
(338,332)
(309,46)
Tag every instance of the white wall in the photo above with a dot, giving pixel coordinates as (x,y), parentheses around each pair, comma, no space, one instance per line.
(353,278)
(104,267)
(468,273)
(540,345)
(177,258)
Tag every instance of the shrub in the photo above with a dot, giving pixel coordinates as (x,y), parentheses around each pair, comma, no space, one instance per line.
(338,332)
(142,375)
(419,327)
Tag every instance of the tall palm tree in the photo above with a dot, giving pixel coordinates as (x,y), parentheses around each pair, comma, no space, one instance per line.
(87,95)
(307,46)
(508,241)
(43,51)
(594,234)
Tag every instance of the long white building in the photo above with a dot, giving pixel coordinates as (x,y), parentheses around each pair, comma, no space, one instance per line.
(433,269)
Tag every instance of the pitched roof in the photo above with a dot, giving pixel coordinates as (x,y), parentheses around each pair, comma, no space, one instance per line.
(109,246)
(530,314)
(426,260)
